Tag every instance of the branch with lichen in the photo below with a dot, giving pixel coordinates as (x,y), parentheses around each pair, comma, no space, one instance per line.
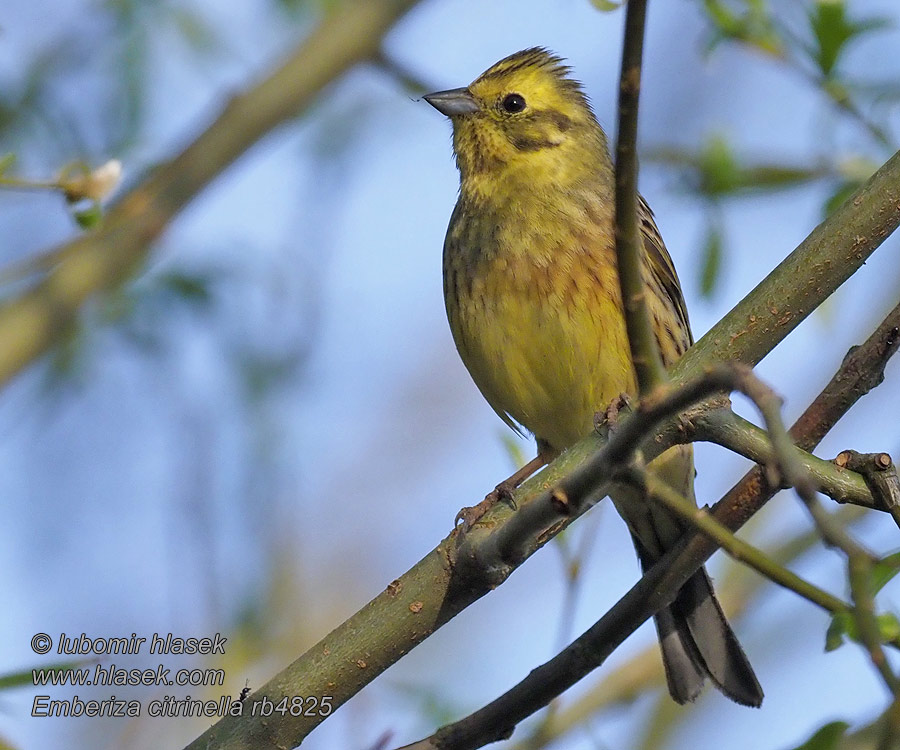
(648,365)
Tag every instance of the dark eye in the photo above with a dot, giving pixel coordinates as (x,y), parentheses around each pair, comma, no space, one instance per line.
(513,103)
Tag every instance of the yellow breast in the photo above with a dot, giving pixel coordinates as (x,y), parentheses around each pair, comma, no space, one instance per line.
(535,313)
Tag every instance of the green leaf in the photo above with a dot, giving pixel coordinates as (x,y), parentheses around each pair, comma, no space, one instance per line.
(607,5)
(715,172)
(888,626)
(778,177)
(826,738)
(724,19)
(712,260)
(721,173)
(191,288)
(6,161)
(753,26)
(843,191)
(884,570)
(841,625)
(88,218)
(833,29)
(719,170)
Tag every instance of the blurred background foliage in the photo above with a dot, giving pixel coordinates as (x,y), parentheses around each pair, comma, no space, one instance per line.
(269,423)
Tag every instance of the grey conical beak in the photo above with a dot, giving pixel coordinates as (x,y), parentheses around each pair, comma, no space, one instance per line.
(453,102)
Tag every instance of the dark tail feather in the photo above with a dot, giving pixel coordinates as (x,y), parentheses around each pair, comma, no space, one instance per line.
(724,660)
(697,642)
(684,671)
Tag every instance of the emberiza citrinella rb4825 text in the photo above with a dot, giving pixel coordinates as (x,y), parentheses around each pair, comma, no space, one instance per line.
(534,305)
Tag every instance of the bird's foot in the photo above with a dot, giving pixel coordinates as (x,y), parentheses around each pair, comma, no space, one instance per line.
(471,515)
(609,417)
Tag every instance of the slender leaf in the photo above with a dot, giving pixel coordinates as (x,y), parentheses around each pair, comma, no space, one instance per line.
(607,5)
(884,570)
(712,260)
(826,738)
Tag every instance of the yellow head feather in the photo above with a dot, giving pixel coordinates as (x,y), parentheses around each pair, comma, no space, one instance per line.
(526,118)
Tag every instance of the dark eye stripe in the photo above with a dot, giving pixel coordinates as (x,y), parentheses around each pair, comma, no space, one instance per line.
(524,143)
(562,122)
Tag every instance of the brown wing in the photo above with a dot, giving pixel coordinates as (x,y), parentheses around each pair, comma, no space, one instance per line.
(662,271)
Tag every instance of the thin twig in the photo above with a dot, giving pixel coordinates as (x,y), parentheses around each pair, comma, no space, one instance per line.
(859,564)
(645,354)
(660,492)
(583,485)
(575,492)
(880,474)
(859,559)
(860,575)
(21,183)
(724,427)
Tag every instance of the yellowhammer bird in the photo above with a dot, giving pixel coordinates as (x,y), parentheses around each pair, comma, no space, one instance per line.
(535,309)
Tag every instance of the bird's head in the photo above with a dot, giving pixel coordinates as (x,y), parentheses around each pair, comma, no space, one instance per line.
(524,118)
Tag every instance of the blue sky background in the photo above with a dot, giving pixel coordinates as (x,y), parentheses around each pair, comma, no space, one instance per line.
(283,452)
